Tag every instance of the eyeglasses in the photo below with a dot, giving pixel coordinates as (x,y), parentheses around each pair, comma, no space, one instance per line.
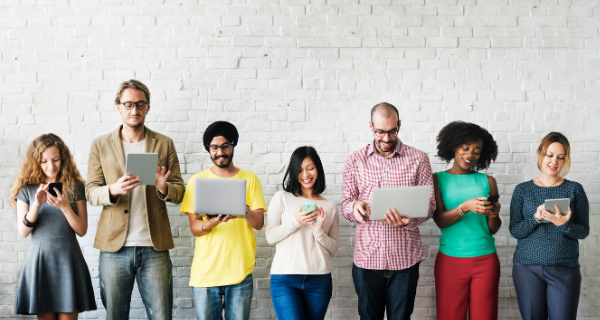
(380,133)
(141,105)
(226,147)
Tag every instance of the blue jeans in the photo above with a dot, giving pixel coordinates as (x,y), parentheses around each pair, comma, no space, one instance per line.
(385,291)
(299,297)
(236,299)
(547,292)
(153,271)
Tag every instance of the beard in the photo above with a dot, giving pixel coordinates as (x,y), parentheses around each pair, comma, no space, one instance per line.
(388,149)
(224,164)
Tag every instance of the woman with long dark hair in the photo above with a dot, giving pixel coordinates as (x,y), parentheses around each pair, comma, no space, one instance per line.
(55,282)
(301,284)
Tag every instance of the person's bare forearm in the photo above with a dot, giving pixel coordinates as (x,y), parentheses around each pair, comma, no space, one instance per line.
(256,218)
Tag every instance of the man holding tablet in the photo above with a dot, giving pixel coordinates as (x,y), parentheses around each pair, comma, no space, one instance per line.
(224,255)
(386,253)
(134,233)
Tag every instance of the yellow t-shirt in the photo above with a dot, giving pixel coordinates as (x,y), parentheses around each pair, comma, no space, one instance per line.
(226,254)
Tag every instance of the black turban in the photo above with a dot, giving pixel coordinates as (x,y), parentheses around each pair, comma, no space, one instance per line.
(220,128)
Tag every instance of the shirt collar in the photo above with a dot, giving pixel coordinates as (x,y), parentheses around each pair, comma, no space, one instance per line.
(398,150)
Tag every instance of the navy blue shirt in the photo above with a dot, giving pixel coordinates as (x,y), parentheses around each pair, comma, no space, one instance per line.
(544,243)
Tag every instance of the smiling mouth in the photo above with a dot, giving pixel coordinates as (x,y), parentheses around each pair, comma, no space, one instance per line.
(468,162)
(307,181)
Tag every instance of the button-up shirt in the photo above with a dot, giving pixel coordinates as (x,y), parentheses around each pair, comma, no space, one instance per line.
(379,246)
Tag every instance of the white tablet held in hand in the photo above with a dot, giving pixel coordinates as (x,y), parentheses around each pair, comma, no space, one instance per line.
(214,196)
(142,165)
(411,202)
(563,205)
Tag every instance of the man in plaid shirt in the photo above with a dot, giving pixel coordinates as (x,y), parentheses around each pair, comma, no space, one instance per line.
(386,253)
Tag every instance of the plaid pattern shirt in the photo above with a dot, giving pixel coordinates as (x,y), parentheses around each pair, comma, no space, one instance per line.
(379,246)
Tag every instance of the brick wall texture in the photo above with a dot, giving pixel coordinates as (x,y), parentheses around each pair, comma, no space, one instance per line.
(304,72)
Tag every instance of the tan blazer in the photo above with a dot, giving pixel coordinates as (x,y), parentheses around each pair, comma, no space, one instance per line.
(106,165)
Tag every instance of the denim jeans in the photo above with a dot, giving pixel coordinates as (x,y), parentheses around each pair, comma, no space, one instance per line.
(385,291)
(153,271)
(235,299)
(547,292)
(299,297)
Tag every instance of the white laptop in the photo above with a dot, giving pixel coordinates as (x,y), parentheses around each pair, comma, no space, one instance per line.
(411,202)
(215,196)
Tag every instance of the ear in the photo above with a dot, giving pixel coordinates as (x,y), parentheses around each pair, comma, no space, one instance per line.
(371,125)
(399,124)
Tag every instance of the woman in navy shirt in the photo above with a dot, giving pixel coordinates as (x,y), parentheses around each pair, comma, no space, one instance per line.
(546,264)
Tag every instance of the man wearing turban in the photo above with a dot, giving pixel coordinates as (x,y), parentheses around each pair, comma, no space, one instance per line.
(224,255)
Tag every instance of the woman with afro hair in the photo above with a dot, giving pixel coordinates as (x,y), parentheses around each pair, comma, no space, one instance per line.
(467,269)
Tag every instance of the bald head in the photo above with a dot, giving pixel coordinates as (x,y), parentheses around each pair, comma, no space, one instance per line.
(385,110)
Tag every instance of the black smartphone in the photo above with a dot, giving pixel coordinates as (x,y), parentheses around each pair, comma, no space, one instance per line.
(57,185)
(493,198)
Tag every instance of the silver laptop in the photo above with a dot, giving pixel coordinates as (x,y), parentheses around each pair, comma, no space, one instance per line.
(142,165)
(220,196)
(411,202)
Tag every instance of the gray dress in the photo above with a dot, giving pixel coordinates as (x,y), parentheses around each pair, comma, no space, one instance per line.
(55,276)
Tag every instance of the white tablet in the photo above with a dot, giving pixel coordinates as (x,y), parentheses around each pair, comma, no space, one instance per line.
(411,202)
(563,205)
(216,196)
(142,165)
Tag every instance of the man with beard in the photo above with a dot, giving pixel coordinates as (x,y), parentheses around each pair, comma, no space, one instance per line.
(386,253)
(224,255)
(134,233)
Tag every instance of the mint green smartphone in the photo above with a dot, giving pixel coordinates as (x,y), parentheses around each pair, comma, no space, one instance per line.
(309,206)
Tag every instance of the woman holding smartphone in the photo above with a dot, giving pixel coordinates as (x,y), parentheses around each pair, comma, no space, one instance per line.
(546,264)
(467,269)
(301,285)
(55,282)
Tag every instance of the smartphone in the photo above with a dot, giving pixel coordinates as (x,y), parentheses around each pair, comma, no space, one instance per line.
(57,185)
(309,206)
(493,198)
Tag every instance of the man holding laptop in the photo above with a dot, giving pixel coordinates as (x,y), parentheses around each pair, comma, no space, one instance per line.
(224,255)
(387,253)
(134,233)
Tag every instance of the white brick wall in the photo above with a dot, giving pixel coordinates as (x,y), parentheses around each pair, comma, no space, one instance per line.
(290,73)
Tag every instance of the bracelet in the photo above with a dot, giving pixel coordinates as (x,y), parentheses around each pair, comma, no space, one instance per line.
(27,223)
(462,213)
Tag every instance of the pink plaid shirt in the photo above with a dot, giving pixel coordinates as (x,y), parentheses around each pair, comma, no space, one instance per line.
(379,246)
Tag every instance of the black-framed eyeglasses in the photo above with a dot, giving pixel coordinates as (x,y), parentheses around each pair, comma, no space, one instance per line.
(226,147)
(140,105)
(381,133)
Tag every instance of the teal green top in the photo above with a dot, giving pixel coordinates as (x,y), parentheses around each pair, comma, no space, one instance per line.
(470,236)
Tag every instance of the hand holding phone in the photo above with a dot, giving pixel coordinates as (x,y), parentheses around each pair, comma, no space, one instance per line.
(493,198)
(307,213)
(57,185)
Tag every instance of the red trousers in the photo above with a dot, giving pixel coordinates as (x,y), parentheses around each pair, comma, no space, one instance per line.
(467,283)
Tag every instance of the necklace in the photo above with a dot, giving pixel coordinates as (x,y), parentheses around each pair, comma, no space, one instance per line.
(540,181)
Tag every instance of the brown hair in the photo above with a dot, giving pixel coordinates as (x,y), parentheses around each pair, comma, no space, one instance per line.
(549,139)
(31,170)
(134,84)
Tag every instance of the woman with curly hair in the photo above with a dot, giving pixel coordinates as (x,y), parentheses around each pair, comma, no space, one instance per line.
(55,282)
(467,269)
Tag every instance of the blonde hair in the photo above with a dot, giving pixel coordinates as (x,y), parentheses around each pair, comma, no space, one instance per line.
(549,139)
(31,169)
(134,84)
